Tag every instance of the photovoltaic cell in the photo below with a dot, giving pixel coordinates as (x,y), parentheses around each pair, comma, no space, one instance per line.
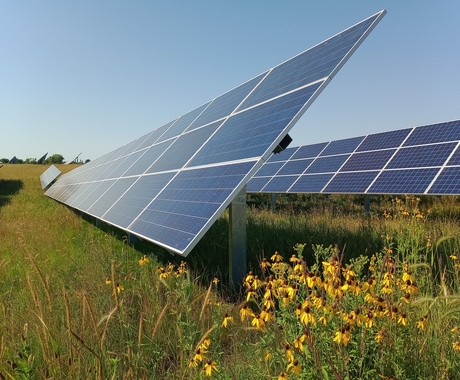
(311,183)
(284,155)
(295,167)
(327,164)
(414,181)
(341,146)
(269,169)
(170,185)
(309,151)
(232,141)
(422,156)
(384,163)
(356,182)
(310,66)
(430,134)
(280,184)
(368,160)
(447,182)
(49,176)
(136,199)
(384,140)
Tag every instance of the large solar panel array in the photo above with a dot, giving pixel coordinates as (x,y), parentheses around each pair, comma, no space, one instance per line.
(49,176)
(418,160)
(170,185)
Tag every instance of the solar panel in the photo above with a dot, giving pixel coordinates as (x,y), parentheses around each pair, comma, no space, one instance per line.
(171,184)
(42,159)
(49,176)
(418,160)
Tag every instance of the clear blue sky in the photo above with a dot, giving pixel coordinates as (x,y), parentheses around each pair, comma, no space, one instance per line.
(90,76)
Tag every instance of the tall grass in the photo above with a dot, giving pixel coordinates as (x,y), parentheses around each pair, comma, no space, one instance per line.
(80,302)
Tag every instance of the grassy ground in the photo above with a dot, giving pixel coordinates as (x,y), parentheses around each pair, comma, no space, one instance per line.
(79,302)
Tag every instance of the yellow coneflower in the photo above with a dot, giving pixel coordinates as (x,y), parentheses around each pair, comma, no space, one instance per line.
(108,281)
(306,316)
(421,323)
(265,264)
(245,311)
(294,367)
(258,322)
(370,320)
(227,319)
(215,281)
(456,345)
(283,376)
(144,260)
(209,367)
(251,293)
(342,336)
(205,344)
(289,352)
(199,355)
(277,258)
(402,319)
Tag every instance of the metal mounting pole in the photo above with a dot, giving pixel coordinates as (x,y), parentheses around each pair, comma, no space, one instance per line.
(367,203)
(237,239)
(273,203)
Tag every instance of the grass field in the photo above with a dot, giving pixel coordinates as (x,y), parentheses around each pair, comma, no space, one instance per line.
(364,296)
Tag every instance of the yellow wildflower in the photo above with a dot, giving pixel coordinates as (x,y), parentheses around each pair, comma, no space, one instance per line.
(144,260)
(294,367)
(227,320)
(108,281)
(209,367)
(245,311)
(276,257)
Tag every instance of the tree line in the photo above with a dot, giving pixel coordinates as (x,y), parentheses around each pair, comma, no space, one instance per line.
(54,159)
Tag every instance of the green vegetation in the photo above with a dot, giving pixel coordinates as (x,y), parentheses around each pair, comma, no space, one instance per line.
(348,296)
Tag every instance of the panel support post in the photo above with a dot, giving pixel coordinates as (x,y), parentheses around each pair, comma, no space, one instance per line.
(367,203)
(273,203)
(237,240)
(132,239)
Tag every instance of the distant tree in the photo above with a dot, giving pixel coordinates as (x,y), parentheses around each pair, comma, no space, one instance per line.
(55,159)
(30,161)
(4,160)
(87,160)
(20,161)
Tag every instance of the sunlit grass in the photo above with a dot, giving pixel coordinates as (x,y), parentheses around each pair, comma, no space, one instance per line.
(363,297)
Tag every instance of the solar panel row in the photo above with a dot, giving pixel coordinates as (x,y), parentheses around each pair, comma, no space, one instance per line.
(49,176)
(419,160)
(170,185)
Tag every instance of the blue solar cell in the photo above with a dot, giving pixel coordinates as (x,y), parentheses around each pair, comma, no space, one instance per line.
(136,199)
(434,133)
(309,151)
(225,104)
(135,144)
(384,140)
(269,169)
(250,133)
(284,155)
(309,66)
(184,206)
(154,136)
(342,146)
(92,197)
(413,181)
(455,159)
(182,149)
(49,176)
(327,164)
(280,184)
(368,160)
(255,185)
(182,123)
(84,193)
(448,182)
(311,183)
(150,156)
(356,182)
(421,156)
(100,207)
(295,167)
(125,165)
